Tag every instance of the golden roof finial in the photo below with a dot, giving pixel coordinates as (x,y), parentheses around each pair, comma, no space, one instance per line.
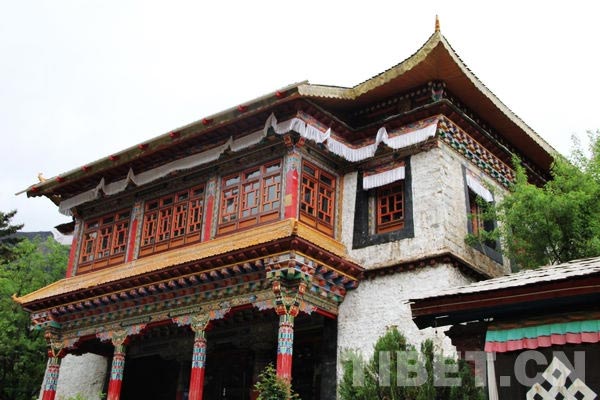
(41,177)
(437,23)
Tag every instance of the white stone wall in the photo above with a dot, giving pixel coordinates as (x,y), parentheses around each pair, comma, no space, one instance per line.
(440,226)
(439,215)
(84,374)
(377,304)
(456,218)
(428,238)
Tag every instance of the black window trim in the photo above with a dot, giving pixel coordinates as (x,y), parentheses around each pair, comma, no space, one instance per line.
(362,236)
(494,254)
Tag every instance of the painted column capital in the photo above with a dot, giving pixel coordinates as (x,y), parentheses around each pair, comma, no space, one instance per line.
(119,336)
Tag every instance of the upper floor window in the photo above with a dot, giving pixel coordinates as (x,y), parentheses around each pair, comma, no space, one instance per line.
(477,209)
(480,221)
(317,198)
(104,241)
(390,207)
(250,197)
(383,211)
(173,220)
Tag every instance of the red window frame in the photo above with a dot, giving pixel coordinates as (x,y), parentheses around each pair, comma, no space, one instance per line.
(104,241)
(173,220)
(251,197)
(390,207)
(317,198)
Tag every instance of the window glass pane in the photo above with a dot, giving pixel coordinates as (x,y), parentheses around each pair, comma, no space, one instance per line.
(234,180)
(273,167)
(252,174)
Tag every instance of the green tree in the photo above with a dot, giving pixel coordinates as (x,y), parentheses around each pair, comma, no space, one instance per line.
(556,222)
(272,387)
(31,265)
(394,359)
(7,238)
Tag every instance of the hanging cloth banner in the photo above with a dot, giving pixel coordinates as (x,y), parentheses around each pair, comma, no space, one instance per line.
(532,337)
(396,139)
(378,179)
(476,186)
(491,377)
(303,124)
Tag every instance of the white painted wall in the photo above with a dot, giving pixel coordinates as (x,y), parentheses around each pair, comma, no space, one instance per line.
(379,303)
(440,226)
(439,214)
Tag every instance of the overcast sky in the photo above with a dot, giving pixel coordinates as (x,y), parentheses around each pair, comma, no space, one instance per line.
(80,80)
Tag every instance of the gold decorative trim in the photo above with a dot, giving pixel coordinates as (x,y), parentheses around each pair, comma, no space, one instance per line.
(321,240)
(221,245)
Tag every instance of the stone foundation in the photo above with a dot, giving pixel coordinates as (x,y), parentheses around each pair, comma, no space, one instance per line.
(84,375)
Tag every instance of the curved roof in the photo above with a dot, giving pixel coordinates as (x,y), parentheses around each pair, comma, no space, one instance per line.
(435,60)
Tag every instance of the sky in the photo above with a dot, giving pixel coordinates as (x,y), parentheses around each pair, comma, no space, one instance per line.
(80,80)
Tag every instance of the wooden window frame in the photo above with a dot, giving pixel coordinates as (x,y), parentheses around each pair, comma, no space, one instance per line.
(247,199)
(167,220)
(365,216)
(104,241)
(389,207)
(317,198)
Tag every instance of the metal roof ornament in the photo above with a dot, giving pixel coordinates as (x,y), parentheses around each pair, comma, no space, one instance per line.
(437,23)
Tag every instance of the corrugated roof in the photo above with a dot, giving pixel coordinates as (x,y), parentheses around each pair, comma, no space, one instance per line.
(550,273)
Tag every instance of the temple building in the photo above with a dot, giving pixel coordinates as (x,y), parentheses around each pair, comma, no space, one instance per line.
(282,230)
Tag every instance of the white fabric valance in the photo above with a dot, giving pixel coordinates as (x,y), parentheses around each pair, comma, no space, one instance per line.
(396,139)
(383,178)
(301,124)
(476,186)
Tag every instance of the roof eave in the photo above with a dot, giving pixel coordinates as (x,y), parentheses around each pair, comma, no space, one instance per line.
(437,39)
(195,128)
(485,304)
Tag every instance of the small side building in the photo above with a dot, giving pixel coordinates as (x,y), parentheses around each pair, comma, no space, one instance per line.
(539,329)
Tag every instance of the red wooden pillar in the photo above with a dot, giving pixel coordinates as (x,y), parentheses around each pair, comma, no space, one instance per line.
(51,378)
(291,185)
(198,362)
(285,346)
(119,339)
(116,372)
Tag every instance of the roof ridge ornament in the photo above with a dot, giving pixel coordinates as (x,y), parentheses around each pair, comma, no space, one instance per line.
(437,23)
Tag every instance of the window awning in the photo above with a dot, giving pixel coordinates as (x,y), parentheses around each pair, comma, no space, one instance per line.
(378,179)
(478,187)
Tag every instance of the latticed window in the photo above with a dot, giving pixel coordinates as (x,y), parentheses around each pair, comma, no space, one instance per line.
(478,221)
(104,241)
(390,207)
(250,197)
(173,220)
(317,198)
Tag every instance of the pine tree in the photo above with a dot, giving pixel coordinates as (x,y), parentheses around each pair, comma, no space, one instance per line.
(7,238)
(23,351)
(272,387)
